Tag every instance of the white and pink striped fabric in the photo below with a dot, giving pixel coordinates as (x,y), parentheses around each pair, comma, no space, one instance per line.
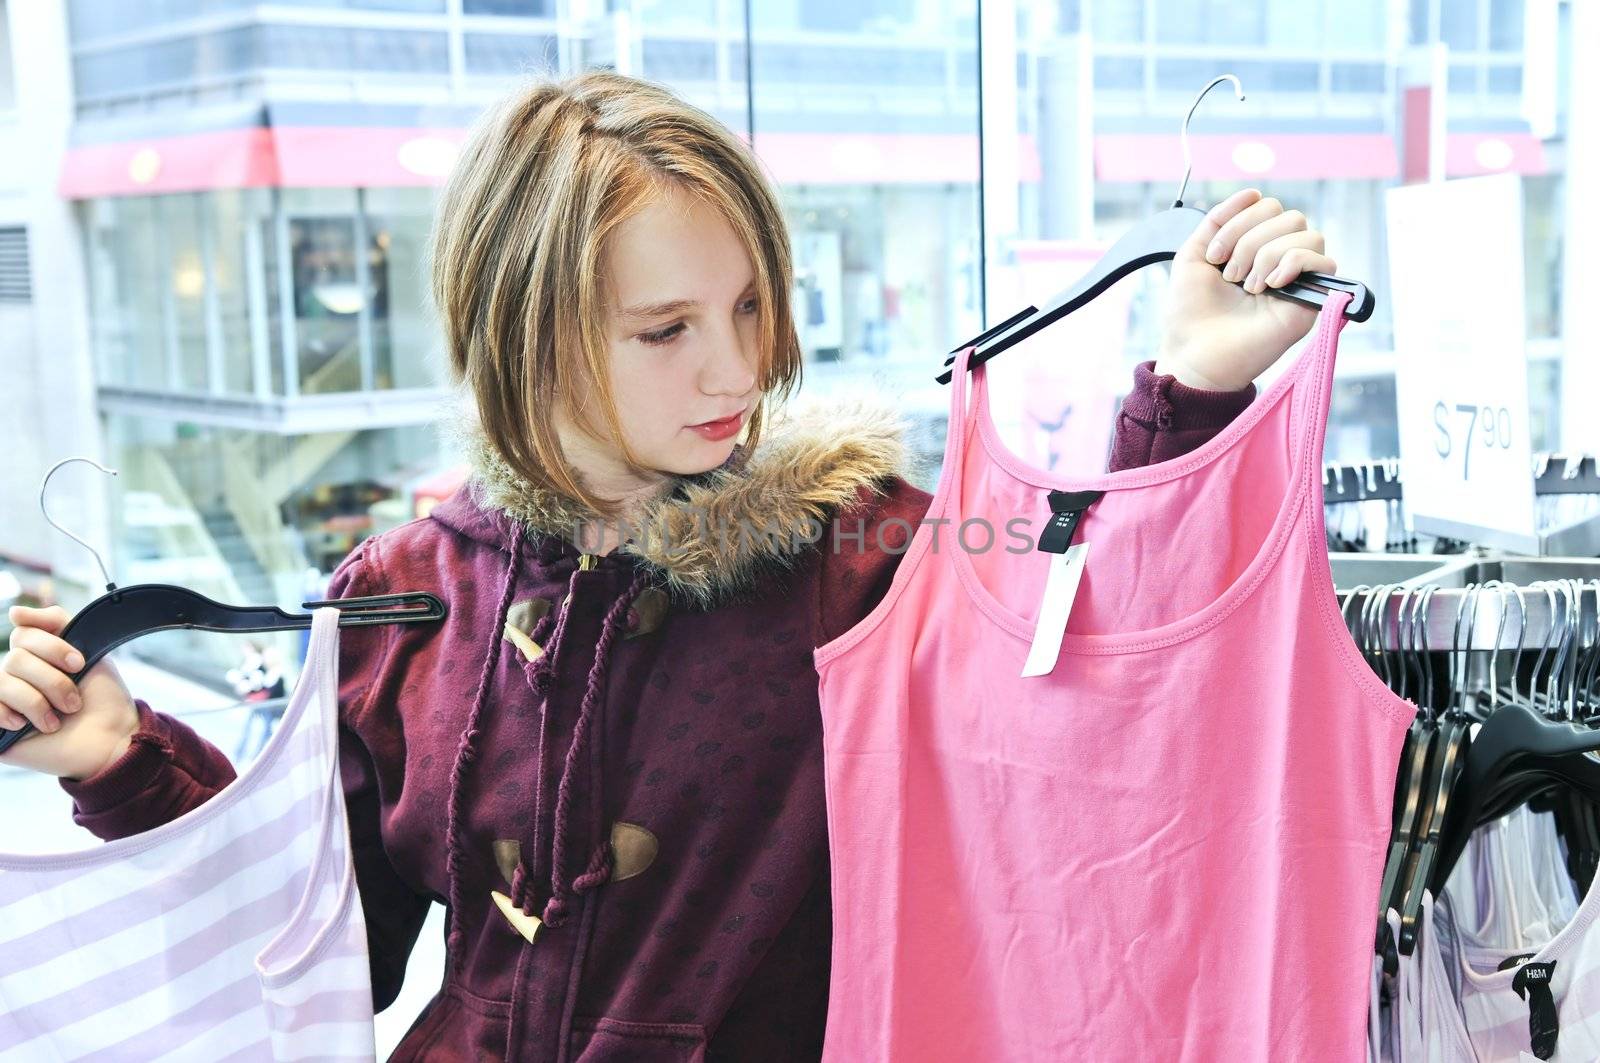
(234,932)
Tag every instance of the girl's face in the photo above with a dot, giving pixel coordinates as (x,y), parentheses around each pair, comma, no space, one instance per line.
(681,325)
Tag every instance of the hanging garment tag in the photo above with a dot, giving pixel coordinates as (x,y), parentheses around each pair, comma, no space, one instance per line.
(1532,984)
(1060,588)
(1066,509)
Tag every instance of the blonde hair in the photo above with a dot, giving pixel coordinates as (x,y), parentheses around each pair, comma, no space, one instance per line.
(517,242)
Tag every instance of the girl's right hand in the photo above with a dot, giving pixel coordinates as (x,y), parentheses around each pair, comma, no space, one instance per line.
(82,727)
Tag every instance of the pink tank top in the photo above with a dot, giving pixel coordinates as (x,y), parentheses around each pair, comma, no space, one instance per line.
(1166,848)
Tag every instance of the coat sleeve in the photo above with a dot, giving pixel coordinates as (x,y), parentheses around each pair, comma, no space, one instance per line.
(860,553)
(1162,419)
(169,770)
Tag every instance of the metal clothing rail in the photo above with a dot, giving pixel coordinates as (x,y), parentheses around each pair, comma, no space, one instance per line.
(1540,612)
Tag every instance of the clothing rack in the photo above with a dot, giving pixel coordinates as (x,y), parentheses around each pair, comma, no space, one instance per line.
(1532,625)
(1568,531)
(1362,481)
(1566,474)
(1366,481)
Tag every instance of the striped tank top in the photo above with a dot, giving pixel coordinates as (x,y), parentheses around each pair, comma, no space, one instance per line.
(233,932)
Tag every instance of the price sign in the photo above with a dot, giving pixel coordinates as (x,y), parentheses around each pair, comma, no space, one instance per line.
(1461,364)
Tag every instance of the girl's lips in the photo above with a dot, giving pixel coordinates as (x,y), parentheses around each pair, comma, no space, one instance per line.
(716,430)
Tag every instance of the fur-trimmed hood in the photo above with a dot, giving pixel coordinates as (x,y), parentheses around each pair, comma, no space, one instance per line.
(710,537)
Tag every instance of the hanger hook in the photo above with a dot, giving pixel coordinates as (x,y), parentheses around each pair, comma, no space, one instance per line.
(44,486)
(1183,134)
(1419,639)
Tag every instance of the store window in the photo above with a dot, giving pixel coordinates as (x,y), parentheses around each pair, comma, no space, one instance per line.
(881,197)
(326,298)
(234,220)
(404,339)
(128,299)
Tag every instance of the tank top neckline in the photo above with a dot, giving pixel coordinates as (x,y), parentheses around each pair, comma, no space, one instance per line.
(973,419)
(321,670)
(1557,947)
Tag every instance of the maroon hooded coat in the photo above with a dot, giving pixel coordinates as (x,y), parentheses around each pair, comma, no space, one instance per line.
(628,748)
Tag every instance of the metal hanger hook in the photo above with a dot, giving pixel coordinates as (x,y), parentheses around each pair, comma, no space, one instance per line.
(45,485)
(1183,134)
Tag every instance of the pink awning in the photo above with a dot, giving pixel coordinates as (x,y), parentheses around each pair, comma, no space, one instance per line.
(1244,157)
(394,156)
(882,158)
(284,157)
(1473,154)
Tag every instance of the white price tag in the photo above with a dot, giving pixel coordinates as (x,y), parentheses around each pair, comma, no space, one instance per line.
(1461,364)
(1055,605)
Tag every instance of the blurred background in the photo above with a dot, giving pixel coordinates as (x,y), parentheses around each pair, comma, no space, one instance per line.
(213,217)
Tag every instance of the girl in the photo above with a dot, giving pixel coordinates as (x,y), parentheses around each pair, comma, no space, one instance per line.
(607,761)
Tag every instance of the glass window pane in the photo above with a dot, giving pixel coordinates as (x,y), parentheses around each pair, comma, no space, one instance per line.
(1421,21)
(1211,21)
(403,333)
(1358,77)
(1505,25)
(1464,78)
(854,16)
(1297,25)
(236,216)
(185,279)
(1458,24)
(526,8)
(1118,21)
(273,299)
(327,300)
(872,140)
(1180,21)
(1505,80)
(509,53)
(127,323)
(1118,72)
(1356,26)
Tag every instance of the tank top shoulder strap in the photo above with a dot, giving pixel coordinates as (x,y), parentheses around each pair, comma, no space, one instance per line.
(320,676)
(1313,390)
(964,393)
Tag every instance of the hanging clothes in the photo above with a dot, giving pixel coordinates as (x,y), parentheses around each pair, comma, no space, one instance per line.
(233,932)
(1511,889)
(1502,992)
(1169,846)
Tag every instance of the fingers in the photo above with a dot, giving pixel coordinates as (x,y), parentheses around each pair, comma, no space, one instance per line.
(1218,216)
(1263,228)
(1223,248)
(51,620)
(57,688)
(21,699)
(48,647)
(36,673)
(1293,261)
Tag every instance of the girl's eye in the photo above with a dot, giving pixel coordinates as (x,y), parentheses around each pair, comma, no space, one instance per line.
(749,306)
(661,336)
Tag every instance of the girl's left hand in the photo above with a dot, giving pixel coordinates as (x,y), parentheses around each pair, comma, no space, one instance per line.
(1221,335)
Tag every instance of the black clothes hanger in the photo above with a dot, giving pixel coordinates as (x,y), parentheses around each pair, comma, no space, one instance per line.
(1156,239)
(1413,760)
(1451,746)
(1519,750)
(123,614)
